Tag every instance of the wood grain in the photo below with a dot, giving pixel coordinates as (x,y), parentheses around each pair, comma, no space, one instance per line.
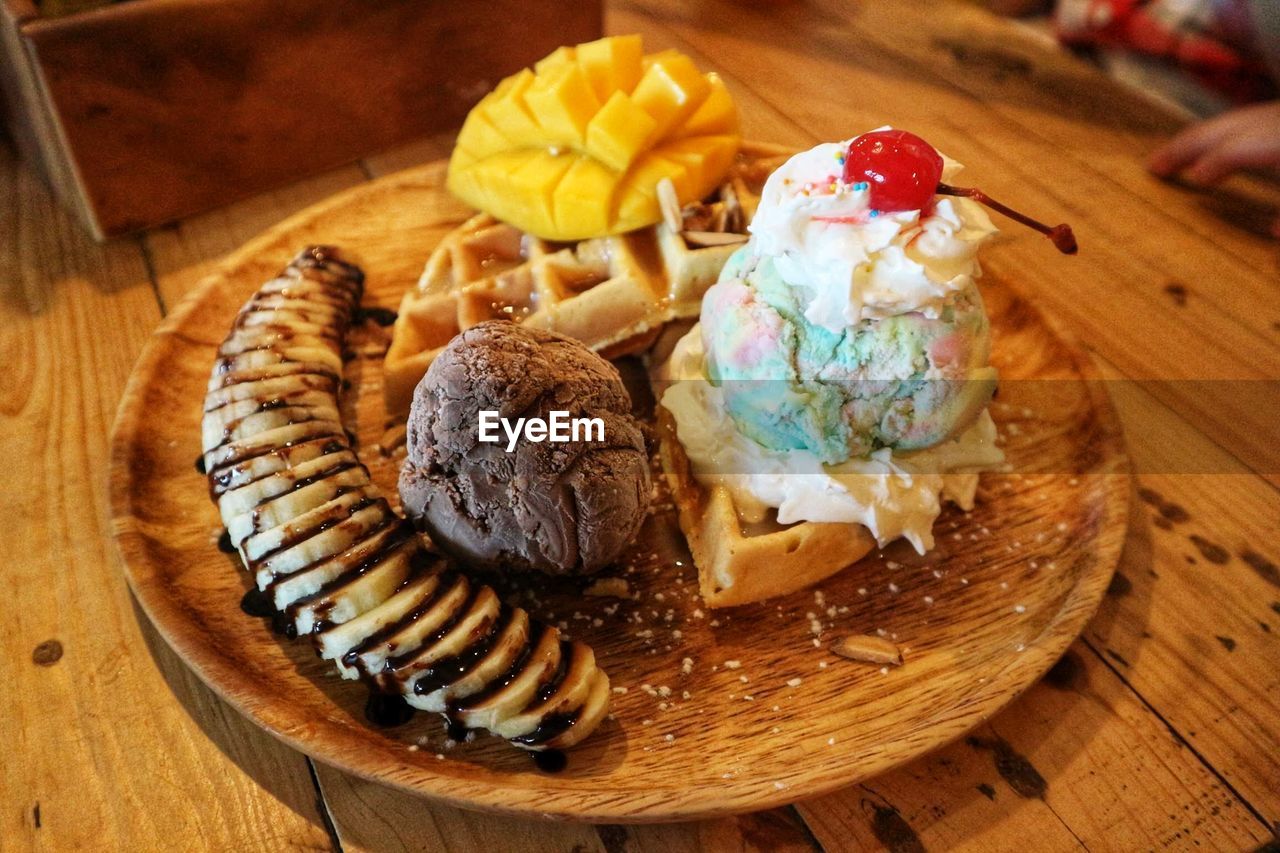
(774,831)
(1078,763)
(1213,671)
(100,755)
(163,109)
(181,254)
(373,817)
(837,729)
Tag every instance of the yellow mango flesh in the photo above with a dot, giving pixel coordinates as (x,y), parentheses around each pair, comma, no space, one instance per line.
(562,103)
(507,112)
(575,148)
(584,198)
(716,114)
(617,134)
(670,90)
(612,64)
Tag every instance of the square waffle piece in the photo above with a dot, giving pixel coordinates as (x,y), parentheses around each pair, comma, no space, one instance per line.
(612,293)
(741,563)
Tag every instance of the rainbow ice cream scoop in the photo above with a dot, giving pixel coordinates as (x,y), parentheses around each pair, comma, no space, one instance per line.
(840,328)
(907,382)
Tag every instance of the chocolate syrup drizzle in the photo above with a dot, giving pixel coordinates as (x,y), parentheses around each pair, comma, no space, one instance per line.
(387,710)
(224,543)
(257,604)
(550,760)
(446,670)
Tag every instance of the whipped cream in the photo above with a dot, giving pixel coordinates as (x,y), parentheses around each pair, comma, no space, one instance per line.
(854,263)
(892,494)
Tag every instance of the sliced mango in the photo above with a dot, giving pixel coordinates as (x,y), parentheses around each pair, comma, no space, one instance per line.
(575,148)
(584,200)
(478,137)
(638,196)
(515,186)
(703,158)
(618,132)
(716,114)
(670,90)
(562,103)
(559,56)
(612,64)
(508,110)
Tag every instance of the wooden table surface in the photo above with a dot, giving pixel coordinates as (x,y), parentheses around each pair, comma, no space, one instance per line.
(1159,729)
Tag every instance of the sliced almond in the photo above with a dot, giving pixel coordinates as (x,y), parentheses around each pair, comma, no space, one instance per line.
(669,204)
(733,219)
(611,587)
(713,238)
(721,219)
(868,649)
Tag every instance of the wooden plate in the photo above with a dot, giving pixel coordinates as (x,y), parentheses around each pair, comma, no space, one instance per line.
(1008,588)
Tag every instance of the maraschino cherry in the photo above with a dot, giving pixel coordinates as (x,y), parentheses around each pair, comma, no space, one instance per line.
(900,167)
(903,172)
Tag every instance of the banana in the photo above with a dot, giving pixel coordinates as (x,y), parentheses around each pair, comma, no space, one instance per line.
(337,562)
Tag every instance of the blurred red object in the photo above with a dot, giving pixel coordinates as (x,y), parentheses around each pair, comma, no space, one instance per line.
(1181,32)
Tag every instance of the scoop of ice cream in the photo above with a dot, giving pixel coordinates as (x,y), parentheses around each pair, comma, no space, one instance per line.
(561,507)
(852,262)
(889,492)
(907,381)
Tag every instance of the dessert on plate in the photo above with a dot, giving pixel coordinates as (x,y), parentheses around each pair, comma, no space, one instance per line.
(333,559)
(832,396)
(612,188)
(835,391)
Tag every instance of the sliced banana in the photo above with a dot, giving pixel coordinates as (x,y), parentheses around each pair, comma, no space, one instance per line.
(285,458)
(337,562)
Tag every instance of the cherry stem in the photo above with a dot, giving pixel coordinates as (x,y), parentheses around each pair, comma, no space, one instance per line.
(1061,235)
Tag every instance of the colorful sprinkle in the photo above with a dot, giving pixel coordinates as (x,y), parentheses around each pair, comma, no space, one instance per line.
(874,214)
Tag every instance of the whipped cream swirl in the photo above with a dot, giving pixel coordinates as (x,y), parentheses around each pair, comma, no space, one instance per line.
(855,263)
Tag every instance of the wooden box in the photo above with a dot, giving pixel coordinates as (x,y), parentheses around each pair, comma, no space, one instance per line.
(144,111)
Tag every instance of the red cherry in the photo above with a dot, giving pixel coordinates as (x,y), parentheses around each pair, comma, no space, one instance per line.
(902,169)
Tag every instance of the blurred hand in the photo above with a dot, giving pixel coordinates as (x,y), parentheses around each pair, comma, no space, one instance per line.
(1208,151)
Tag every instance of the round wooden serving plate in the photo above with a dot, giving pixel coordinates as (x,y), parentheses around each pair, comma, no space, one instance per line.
(980,618)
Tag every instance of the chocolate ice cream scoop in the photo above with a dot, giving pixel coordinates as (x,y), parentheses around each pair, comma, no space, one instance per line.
(561,507)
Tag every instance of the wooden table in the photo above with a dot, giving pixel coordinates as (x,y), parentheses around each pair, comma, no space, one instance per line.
(1161,726)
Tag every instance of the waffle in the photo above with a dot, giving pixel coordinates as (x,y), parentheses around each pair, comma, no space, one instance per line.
(612,293)
(743,563)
